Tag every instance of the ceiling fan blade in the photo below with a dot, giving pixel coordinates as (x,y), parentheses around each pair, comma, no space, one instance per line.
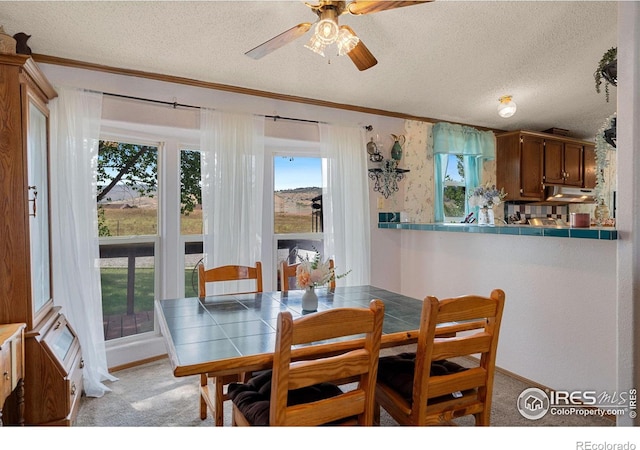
(276,42)
(363,7)
(360,55)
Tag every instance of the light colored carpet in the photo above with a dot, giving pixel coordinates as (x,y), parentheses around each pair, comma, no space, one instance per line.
(150,396)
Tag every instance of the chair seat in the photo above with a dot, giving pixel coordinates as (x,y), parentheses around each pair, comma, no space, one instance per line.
(253,397)
(397,372)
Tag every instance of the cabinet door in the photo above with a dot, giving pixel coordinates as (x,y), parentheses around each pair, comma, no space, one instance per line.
(553,162)
(589,167)
(573,164)
(38,205)
(531,165)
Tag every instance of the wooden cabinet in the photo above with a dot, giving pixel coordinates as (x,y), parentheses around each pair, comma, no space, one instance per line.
(12,373)
(526,161)
(25,260)
(563,163)
(519,166)
(590,166)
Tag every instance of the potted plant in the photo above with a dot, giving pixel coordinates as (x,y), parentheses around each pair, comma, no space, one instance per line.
(607,69)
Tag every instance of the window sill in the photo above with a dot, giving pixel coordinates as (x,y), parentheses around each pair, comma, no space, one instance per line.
(600,233)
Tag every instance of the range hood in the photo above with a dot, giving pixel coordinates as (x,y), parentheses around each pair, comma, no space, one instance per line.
(564,194)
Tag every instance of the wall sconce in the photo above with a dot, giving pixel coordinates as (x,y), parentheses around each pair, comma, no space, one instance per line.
(387,176)
(507,106)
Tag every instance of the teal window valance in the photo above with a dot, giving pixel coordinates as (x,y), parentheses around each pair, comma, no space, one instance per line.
(463,140)
(475,146)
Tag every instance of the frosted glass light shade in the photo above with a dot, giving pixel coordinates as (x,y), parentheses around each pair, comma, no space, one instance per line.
(507,107)
(315,45)
(346,41)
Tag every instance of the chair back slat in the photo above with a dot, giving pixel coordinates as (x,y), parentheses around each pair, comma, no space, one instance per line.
(229,273)
(326,411)
(463,346)
(332,323)
(347,365)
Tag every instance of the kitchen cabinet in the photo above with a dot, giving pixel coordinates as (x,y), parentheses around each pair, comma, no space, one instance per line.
(25,260)
(589,166)
(563,163)
(526,161)
(519,166)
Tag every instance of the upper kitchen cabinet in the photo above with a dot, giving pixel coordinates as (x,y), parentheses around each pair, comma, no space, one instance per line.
(563,163)
(526,161)
(25,261)
(519,166)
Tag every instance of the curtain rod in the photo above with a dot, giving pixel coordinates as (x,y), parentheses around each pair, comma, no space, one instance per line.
(175,105)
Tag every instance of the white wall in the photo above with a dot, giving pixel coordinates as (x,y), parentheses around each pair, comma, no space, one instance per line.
(559,325)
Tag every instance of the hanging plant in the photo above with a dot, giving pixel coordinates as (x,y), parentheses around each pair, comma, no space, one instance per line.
(602,149)
(607,69)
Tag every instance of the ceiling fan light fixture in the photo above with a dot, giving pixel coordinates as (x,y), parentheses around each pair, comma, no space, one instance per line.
(507,106)
(316,45)
(346,41)
(327,31)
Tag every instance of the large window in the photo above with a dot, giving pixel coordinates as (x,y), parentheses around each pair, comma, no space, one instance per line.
(128,226)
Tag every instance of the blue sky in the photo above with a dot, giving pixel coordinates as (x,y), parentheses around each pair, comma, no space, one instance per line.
(301,172)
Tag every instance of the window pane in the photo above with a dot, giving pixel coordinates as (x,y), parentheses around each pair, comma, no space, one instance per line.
(454,196)
(292,250)
(297,195)
(193,254)
(190,193)
(127,274)
(127,187)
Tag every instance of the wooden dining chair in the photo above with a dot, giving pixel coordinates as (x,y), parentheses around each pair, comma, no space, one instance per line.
(426,387)
(215,397)
(289,271)
(307,392)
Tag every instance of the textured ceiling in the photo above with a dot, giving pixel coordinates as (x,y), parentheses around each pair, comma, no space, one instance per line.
(448,60)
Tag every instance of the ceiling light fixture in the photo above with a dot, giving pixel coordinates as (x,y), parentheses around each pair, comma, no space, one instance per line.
(328,32)
(507,106)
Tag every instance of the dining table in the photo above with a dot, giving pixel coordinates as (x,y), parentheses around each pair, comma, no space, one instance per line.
(235,333)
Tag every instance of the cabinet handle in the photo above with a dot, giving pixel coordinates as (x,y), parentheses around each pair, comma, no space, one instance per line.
(57,325)
(73,388)
(6,375)
(81,363)
(35,197)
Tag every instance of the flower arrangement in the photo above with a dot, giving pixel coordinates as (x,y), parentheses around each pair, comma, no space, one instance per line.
(486,196)
(315,272)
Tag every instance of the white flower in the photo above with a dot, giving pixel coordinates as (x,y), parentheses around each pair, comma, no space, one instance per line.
(486,196)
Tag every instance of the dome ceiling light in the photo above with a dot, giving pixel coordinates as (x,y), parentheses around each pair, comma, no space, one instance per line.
(507,106)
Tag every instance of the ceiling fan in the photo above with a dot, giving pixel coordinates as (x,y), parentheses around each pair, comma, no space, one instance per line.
(328,31)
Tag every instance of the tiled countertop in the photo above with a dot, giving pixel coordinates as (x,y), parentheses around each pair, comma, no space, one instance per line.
(601,233)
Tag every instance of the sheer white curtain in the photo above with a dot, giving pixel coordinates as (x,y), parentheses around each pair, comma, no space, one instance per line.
(232,168)
(345,202)
(75,130)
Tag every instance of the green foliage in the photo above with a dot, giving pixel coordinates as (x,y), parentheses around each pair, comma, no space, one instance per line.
(136,166)
(190,184)
(608,57)
(132,165)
